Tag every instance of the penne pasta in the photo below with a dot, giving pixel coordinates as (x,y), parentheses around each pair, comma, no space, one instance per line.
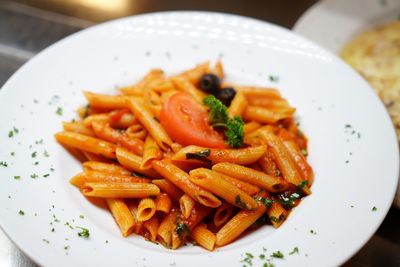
(105,167)
(77,127)
(119,190)
(169,188)
(151,152)
(214,155)
(264,115)
(186,204)
(105,102)
(185,85)
(204,237)
(163,202)
(181,180)
(223,213)
(238,105)
(213,182)
(146,209)
(97,177)
(121,214)
(150,228)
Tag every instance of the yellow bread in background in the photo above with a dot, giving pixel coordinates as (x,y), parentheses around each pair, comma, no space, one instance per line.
(375,54)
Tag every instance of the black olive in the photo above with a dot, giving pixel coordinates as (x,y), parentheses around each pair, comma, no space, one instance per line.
(209,83)
(225,95)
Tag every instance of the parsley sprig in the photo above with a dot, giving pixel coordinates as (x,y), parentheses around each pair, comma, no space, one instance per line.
(219,118)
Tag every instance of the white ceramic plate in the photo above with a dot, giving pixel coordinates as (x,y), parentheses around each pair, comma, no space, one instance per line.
(346,19)
(356,168)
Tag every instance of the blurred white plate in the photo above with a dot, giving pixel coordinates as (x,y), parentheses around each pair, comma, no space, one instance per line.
(352,144)
(332,23)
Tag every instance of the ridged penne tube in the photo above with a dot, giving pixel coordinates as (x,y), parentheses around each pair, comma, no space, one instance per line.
(151,152)
(138,88)
(121,214)
(238,224)
(242,156)
(194,75)
(204,237)
(87,110)
(105,167)
(250,127)
(271,183)
(283,159)
(264,115)
(181,179)
(277,214)
(266,102)
(121,118)
(133,207)
(94,157)
(167,226)
(222,214)
(132,162)
(248,188)
(151,227)
(136,131)
(146,118)
(213,182)
(299,159)
(146,209)
(102,117)
(186,86)
(77,127)
(186,204)
(166,186)
(238,105)
(258,91)
(105,102)
(86,143)
(105,132)
(119,190)
(268,164)
(162,85)
(155,110)
(163,202)
(97,177)
(199,212)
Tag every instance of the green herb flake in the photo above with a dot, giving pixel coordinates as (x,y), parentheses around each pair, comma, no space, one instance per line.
(261,256)
(45,240)
(374,208)
(39,142)
(59,111)
(295,250)
(3,163)
(12,154)
(46,175)
(274,78)
(304,152)
(33,176)
(53,230)
(84,233)
(46,154)
(36,163)
(34,154)
(268,264)
(136,174)
(267,202)
(10,134)
(239,202)
(277,254)
(16,177)
(106,242)
(66,247)
(21,212)
(182,230)
(201,155)
(81,216)
(313,232)
(302,184)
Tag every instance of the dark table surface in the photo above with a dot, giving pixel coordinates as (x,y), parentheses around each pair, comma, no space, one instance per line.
(28,26)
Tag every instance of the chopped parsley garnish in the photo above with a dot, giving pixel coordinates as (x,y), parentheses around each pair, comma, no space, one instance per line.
(182,230)
(136,174)
(10,134)
(84,233)
(248,258)
(120,130)
(219,118)
(66,247)
(239,202)
(304,152)
(34,154)
(266,201)
(39,142)
(34,176)
(274,78)
(12,153)
(46,154)
(59,111)
(201,155)
(374,208)
(278,254)
(268,264)
(81,216)
(295,250)
(21,212)
(302,184)
(46,241)
(313,232)
(36,163)
(46,175)
(17,177)
(261,256)
(156,119)
(276,220)
(3,163)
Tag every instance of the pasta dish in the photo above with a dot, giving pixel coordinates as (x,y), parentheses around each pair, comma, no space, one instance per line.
(189,158)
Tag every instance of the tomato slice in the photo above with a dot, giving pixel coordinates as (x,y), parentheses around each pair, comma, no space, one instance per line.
(187,122)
